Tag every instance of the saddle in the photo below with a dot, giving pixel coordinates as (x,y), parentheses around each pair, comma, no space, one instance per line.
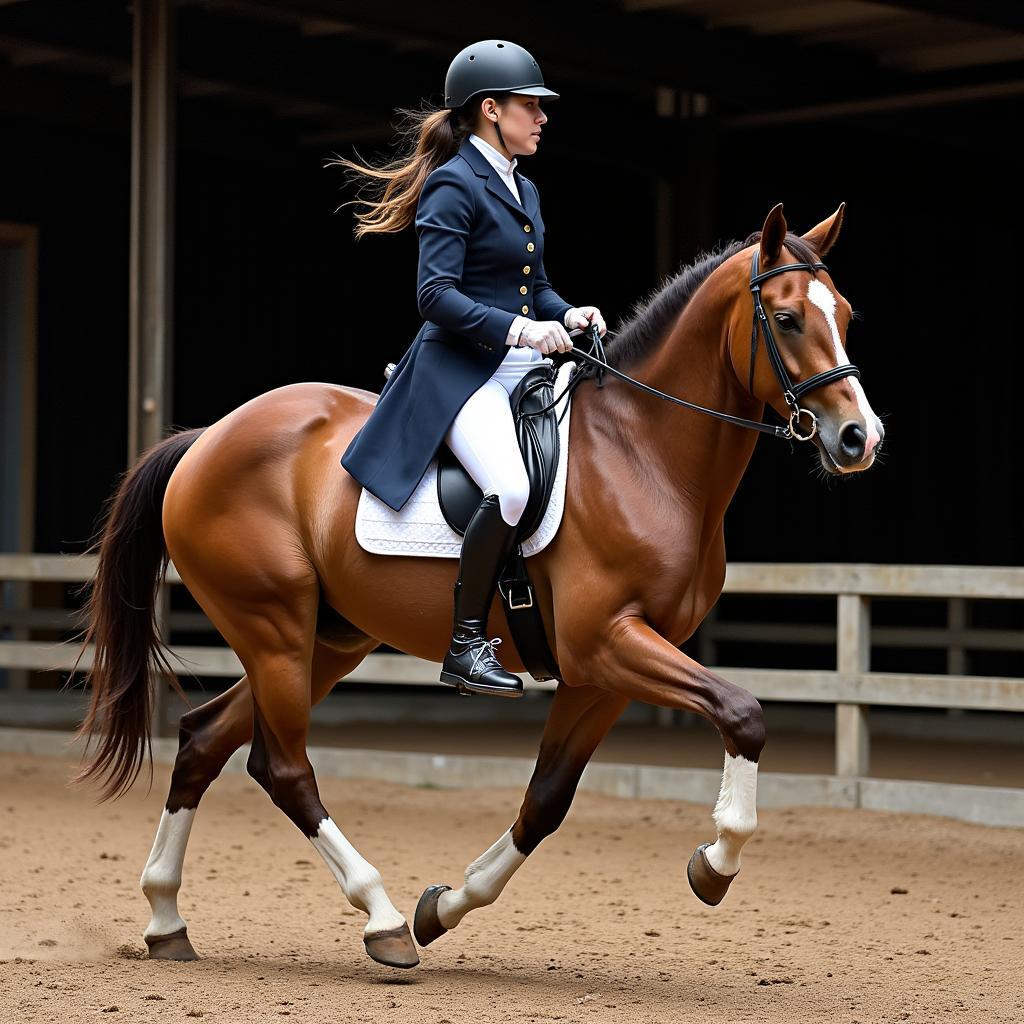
(459,497)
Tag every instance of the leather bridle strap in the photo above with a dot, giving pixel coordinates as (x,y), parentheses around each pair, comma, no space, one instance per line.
(764,428)
(791,392)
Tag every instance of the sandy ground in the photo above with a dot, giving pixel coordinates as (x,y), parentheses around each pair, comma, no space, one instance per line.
(599,925)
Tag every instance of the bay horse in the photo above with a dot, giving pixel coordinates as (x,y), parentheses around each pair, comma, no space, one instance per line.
(258,517)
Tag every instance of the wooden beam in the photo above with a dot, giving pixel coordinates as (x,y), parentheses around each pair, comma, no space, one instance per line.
(582,41)
(997,13)
(151,250)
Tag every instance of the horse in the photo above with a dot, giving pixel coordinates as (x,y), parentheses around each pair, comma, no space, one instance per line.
(258,518)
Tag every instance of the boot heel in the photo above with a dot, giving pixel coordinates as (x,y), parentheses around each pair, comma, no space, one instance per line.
(457,681)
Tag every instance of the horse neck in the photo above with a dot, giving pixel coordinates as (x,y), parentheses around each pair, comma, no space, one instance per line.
(697,456)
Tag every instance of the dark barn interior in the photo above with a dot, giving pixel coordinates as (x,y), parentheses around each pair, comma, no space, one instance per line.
(680,125)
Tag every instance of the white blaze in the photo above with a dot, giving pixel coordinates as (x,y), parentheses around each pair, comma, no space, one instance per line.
(360,881)
(485,879)
(735,814)
(161,877)
(823,297)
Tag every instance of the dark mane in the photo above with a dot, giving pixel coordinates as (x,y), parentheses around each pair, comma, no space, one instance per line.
(645,327)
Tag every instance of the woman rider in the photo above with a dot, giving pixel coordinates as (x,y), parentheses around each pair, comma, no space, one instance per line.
(490,315)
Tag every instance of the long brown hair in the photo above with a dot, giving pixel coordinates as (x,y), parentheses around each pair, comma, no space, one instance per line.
(428,137)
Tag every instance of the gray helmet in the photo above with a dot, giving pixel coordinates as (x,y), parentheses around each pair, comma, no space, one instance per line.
(493,65)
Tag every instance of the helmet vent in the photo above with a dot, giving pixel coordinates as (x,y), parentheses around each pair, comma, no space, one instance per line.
(471,57)
(501,46)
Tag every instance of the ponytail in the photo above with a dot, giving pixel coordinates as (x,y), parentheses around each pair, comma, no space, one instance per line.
(427,138)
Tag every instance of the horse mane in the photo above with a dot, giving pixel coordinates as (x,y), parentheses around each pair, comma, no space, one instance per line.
(646,325)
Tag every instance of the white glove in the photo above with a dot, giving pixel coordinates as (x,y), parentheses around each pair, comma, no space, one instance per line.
(546,336)
(583,316)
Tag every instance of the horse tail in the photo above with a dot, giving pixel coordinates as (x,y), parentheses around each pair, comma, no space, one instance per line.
(120,613)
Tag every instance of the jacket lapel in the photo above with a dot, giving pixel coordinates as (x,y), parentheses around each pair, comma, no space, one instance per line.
(495,185)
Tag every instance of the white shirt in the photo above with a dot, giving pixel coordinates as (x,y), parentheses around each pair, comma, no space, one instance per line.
(505,167)
(498,161)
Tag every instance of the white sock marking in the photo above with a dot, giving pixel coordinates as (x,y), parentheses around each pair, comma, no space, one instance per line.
(735,814)
(486,877)
(360,881)
(822,296)
(161,877)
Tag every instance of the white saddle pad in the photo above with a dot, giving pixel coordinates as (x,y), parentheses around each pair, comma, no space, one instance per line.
(420,528)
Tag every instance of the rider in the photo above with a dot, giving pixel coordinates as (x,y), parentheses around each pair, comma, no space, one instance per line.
(490,316)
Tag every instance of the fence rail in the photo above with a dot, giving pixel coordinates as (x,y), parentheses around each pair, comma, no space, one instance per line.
(852,687)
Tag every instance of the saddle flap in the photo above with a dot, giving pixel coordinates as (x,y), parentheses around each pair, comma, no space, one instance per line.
(457,492)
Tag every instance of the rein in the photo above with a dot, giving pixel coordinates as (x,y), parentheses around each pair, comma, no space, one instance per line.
(791,392)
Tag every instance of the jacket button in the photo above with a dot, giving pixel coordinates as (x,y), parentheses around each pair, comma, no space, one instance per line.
(530,246)
(526,270)
(526,227)
(526,309)
(522,289)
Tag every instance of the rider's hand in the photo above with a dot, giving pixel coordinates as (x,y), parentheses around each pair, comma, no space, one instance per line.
(546,336)
(583,316)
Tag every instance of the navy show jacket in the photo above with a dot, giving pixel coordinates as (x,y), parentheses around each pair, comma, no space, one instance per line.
(480,265)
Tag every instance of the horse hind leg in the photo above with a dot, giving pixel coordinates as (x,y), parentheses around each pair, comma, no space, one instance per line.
(579,719)
(279,762)
(273,636)
(208,736)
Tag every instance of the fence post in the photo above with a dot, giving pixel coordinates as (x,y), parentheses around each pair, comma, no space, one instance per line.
(853,658)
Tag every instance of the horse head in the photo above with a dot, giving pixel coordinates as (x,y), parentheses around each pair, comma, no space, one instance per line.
(795,359)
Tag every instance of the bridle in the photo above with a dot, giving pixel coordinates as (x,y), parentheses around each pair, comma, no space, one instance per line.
(791,391)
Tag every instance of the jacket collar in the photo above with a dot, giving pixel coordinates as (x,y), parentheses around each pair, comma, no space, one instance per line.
(495,185)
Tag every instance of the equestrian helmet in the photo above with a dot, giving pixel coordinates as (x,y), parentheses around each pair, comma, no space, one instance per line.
(493,65)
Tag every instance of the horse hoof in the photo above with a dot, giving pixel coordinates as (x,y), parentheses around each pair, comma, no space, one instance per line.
(426,924)
(171,947)
(707,884)
(393,948)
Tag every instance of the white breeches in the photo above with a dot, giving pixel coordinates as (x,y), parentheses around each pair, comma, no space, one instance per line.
(483,435)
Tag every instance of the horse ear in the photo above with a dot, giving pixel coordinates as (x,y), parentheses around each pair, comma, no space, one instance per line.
(823,236)
(772,235)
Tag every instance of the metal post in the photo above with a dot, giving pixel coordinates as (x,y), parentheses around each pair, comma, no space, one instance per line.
(151,280)
(853,658)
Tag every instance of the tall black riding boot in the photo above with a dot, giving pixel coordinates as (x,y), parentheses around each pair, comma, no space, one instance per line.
(471,663)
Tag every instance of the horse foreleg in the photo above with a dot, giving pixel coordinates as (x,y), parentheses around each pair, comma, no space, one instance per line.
(642,665)
(577,722)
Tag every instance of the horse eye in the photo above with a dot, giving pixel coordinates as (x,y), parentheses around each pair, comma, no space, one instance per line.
(786,322)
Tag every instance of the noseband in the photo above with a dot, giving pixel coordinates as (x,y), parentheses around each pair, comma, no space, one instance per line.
(790,392)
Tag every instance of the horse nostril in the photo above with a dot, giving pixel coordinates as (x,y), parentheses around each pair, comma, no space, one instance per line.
(852,440)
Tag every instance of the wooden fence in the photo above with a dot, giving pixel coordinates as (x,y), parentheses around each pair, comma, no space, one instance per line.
(851,686)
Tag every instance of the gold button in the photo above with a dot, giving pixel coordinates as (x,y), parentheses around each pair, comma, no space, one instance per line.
(526,309)
(522,289)
(526,227)
(529,246)
(526,270)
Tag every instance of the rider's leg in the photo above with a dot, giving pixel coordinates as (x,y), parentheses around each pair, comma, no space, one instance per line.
(483,438)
